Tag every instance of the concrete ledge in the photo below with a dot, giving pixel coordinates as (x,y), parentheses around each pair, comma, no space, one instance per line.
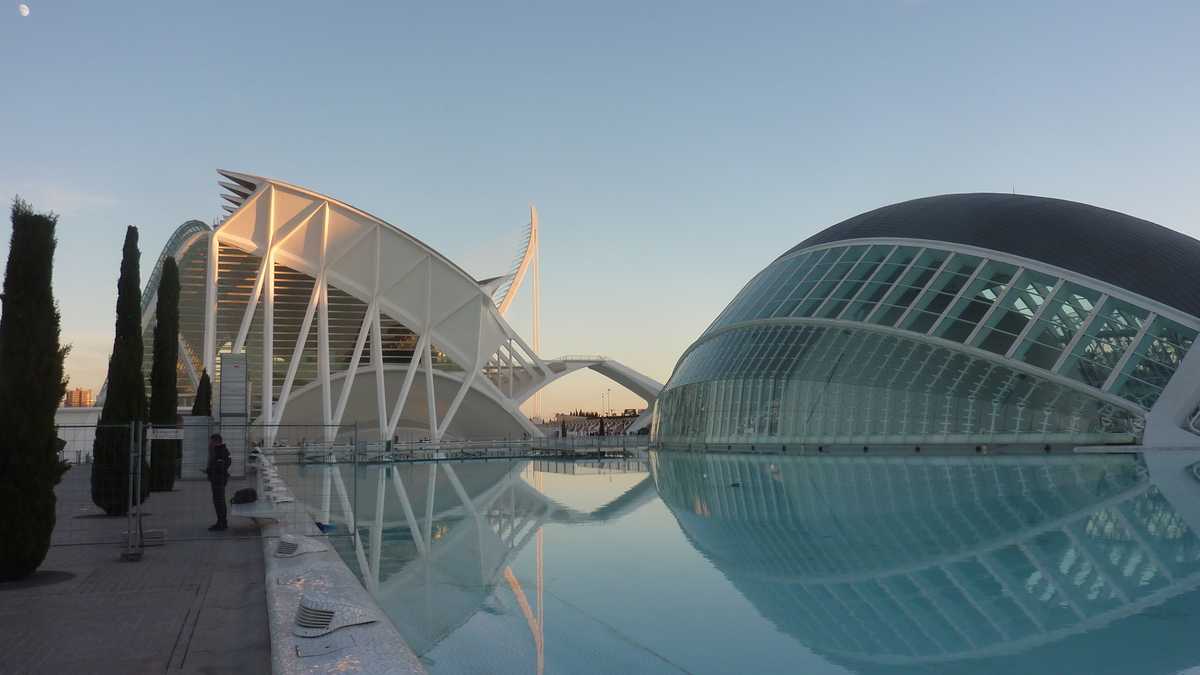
(369,648)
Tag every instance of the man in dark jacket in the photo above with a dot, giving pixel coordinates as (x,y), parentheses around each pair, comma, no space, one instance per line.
(218,474)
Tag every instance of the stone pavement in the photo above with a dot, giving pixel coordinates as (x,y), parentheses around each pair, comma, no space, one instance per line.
(196,604)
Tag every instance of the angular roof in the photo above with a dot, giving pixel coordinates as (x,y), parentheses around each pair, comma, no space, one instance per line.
(1134,254)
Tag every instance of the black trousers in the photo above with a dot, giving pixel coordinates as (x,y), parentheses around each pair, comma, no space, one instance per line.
(218,495)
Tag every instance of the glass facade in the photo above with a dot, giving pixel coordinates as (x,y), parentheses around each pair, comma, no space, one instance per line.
(836,386)
(785,363)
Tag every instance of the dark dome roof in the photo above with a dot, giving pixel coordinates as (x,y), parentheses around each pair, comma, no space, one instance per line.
(1134,254)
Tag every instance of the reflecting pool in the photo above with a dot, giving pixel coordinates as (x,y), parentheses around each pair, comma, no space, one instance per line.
(729,563)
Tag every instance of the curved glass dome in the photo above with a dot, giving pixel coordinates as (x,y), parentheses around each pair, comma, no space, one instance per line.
(856,337)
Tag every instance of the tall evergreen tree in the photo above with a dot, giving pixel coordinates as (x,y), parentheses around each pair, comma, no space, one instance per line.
(164,397)
(31,386)
(202,406)
(126,398)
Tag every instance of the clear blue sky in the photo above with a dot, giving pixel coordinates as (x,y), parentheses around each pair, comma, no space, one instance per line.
(673,148)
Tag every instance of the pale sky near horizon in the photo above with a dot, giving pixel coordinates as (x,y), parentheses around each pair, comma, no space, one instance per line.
(673,148)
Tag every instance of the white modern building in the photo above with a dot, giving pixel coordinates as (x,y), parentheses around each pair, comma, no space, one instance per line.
(974,319)
(346,318)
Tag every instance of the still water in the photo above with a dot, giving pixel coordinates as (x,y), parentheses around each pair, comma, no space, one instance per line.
(726,563)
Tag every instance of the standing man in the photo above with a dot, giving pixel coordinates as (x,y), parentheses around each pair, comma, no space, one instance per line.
(218,474)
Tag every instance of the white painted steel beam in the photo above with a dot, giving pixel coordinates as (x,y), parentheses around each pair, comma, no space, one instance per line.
(413,526)
(402,398)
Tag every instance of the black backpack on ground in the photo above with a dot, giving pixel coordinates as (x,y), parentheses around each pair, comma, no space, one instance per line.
(245,496)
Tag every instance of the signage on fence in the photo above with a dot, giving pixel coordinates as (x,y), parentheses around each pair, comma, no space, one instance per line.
(165,434)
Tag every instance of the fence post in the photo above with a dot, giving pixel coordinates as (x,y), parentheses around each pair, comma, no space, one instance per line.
(132,551)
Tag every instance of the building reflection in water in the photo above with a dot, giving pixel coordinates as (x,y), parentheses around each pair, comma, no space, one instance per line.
(970,563)
(445,535)
(889,561)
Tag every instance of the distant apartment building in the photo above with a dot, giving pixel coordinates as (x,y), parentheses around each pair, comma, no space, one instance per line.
(79,398)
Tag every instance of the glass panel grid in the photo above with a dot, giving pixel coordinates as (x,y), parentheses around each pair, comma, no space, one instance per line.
(968,299)
(817,384)
(1154,362)
(1107,338)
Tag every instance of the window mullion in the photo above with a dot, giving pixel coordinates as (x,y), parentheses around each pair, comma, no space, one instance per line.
(925,289)
(957,296)
(821,280)
(899,279)
(867,283)
(1032,320)
(1137,340)
(1083,329)
(995,306)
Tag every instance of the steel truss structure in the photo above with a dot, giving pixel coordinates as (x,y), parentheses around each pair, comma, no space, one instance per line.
(349,318)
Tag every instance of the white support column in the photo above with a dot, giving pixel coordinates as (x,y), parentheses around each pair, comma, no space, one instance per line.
(352,368)
(267,383)
(429,494)
(377,362)
(409,516)
(507,364)
(377,523)
(377,347)
(431,397)
(239,343)
(427,357)
(323,333)
(210,306)
(468,505)
(348,515)
(298,351)
(468,380)
(413,366)
(458,399)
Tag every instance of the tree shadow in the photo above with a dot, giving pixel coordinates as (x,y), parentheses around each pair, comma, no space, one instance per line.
(39,578)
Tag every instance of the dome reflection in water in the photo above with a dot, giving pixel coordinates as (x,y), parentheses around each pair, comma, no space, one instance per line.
(870,564)
(1005,564)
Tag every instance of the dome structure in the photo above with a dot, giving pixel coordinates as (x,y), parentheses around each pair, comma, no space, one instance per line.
(966,318)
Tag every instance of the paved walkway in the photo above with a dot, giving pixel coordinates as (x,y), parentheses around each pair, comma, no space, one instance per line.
(196,604)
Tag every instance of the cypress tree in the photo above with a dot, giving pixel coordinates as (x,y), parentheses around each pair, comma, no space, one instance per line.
(31,386)
(164,397)
(126,398)
(202,406)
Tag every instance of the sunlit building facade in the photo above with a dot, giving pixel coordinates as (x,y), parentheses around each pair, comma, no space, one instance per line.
(78,398)
(346,319)
(972,318)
